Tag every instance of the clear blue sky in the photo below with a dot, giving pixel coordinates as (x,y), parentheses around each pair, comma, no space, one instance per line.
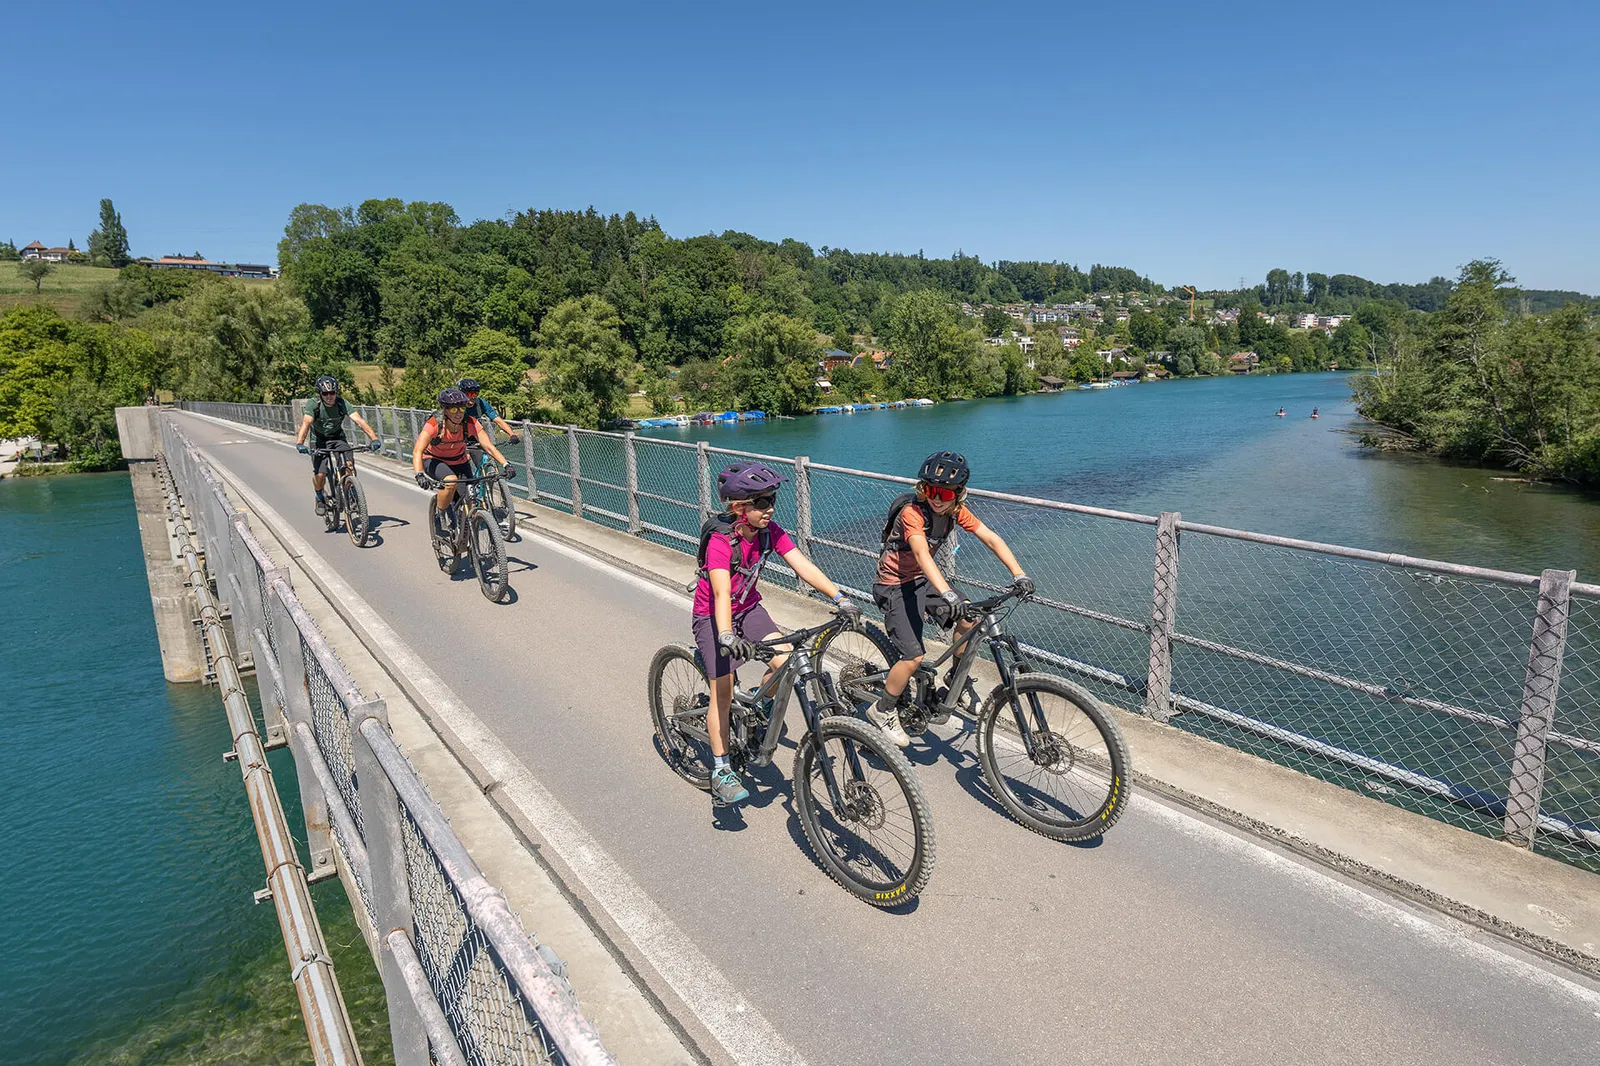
(1194,142)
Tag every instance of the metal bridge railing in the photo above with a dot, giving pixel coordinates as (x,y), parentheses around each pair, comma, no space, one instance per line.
(464,982)
(1469,694)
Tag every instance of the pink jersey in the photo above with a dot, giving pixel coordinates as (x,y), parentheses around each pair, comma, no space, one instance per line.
(719,556)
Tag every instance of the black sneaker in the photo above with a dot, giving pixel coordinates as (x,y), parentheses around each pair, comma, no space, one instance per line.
(322,506)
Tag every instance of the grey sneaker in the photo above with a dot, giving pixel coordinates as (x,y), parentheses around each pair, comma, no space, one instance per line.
(322,507)
(726,786)
(888,720)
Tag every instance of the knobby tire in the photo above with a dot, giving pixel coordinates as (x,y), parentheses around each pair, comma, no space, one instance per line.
(677,684)
(1079,794)
(505,513)
(355,511)
(888,778)
(488,555)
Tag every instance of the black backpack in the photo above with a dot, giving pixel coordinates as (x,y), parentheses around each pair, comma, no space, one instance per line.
(726,524)
(938,526)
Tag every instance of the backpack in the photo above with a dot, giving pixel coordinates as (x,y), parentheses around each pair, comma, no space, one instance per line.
(938,527)
(726,524)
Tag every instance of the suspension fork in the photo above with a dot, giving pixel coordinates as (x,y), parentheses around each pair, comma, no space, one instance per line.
(805,676)
(1008,678)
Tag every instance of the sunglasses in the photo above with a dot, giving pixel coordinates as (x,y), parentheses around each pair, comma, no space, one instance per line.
(941,493)
(764,503)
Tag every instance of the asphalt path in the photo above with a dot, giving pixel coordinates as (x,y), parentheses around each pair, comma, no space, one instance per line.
(1171,941)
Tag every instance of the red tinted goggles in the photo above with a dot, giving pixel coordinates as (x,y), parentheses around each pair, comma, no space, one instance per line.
(941,493)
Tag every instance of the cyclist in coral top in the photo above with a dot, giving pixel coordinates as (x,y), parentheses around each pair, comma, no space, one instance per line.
(918,524)
(443,444)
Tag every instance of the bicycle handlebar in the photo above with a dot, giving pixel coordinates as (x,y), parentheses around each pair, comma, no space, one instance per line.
(767,650)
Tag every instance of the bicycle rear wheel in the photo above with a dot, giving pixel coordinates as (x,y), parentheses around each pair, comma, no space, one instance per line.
(878,844)
(505,513)
(679,699)
(854,655)
(1074,785)
(488,555)
(355,510)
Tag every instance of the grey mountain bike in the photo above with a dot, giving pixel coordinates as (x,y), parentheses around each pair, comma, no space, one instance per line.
(1052,756)
(499,493)
(343,497)
(474,532)
(857,798)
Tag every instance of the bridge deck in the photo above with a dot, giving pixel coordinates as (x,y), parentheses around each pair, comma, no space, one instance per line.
(1171,941)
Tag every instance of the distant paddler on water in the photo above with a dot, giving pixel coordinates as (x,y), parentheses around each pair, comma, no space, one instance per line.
(1281,413)
(1314,413)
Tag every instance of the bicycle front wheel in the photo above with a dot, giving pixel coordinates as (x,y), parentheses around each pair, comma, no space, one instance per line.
(505,514)
(1068,778)
(679,699)
(488,555)
(877,842)
(355,511)
(444,548)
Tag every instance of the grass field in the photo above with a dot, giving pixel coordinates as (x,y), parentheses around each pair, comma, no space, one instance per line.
(65,290)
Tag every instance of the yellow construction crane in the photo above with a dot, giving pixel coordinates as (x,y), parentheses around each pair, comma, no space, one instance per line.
(1190,290)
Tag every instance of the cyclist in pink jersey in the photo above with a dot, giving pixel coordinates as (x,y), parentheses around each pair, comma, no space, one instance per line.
(728,615)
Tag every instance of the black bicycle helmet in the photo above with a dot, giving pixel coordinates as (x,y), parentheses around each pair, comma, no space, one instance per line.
(452,397)
(945,468)
(469,385)
(746,481)
(327,384)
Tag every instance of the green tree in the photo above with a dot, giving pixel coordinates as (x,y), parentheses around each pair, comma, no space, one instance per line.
(35,270)
(1146,329)
(933,354)
(584,359)
(995,321)
(1188,345)
(223,339)
(773,363)
(108,243)
(500,364)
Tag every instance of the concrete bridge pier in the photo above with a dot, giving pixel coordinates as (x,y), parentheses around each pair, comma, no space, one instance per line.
(183,658)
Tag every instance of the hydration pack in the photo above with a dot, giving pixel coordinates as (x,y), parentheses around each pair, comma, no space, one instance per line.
(937,527)
(726,524)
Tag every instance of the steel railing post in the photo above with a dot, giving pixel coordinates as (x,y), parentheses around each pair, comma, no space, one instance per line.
(381,817)
(702,461)
(630,462)
(411,420)
(399,445)
(573,469)
(1540,686)
(297,695)
(527,461)
(1163,612)
(802,502)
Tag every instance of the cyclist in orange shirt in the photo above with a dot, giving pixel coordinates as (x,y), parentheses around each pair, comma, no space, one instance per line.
(918,525)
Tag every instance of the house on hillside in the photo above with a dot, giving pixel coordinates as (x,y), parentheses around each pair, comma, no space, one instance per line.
(1242,362)
(834,358)
(1050,384)
(227,270)
(48,255)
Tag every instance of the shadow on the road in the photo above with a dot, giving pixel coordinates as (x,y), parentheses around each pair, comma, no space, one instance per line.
(374,521)
(518,566)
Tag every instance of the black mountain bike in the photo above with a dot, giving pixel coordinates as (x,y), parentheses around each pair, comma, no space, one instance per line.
(499,493)
(856,795)
(1050,753)
(474,532)
(343,497)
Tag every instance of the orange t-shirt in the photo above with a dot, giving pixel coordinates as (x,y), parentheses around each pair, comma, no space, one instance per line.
(897,568)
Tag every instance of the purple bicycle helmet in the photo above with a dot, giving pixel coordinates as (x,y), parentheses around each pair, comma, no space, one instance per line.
(746,481)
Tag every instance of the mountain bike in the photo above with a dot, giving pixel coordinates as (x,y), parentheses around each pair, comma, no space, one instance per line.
(343,497)
(1054,758)
(857,798)
(500,502)
(472,531)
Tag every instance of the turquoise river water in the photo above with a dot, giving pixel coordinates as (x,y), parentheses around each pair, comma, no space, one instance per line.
(131,859)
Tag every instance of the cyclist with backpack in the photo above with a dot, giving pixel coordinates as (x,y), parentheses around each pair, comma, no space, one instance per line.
(439,456)
(480,408)
(727,615)
(909,585)
(324,421)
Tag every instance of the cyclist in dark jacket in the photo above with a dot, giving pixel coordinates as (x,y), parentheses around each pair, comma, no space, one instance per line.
(324,421)
(480,408)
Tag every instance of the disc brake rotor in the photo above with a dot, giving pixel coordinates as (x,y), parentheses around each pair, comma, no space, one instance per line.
(863,805)
(1052,752)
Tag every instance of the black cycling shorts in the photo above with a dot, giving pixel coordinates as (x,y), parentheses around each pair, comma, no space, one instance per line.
(323,463)
(438,469)
(904,608)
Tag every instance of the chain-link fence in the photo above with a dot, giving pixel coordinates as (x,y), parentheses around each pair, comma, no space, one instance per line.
(1470,695)
(464,982)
